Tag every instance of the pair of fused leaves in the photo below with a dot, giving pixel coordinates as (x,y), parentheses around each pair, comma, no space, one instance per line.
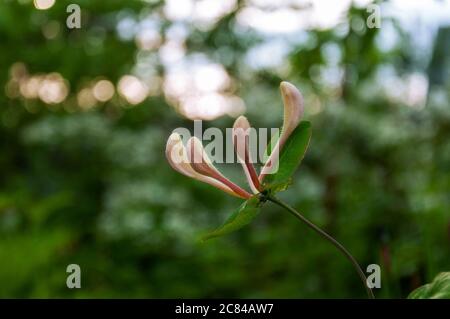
(438,289)
(290,158)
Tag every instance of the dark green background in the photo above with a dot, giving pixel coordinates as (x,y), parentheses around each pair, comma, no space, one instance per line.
(94,188)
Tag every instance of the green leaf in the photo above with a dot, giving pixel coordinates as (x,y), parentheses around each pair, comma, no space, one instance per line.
(438,289)
(279,187)
(241,217)
(291,156)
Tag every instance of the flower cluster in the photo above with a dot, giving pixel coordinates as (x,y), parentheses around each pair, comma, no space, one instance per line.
(192,160)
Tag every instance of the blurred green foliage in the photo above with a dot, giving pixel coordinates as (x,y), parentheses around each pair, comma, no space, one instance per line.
(438,289)
(93,187)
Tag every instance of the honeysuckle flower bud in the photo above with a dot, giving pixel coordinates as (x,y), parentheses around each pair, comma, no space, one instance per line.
(293,112)
(177,157)
(192,160)
(201,163)
(241,137)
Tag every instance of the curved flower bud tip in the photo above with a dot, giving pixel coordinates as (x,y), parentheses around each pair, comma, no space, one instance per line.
(178,159)
(241,137)
(176,155)
(293,112)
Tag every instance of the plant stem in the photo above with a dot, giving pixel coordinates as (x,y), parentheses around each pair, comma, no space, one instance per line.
(327,237)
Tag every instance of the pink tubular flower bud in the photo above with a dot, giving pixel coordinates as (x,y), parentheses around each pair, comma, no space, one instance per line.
(293,112)
(178,159)
(201,163)
(241,137)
